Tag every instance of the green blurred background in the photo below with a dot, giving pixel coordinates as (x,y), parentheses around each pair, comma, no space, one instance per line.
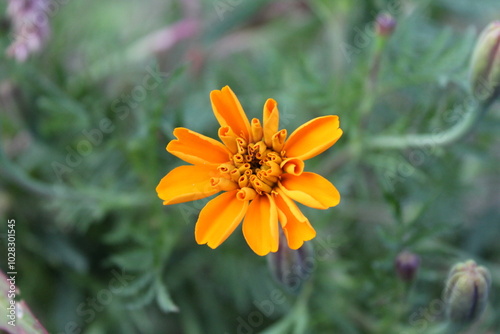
(85,122)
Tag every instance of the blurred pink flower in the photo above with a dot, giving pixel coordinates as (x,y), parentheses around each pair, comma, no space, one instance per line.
(30,24)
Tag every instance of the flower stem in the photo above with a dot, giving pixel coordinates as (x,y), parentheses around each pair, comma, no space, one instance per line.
(438,138)
(296,319)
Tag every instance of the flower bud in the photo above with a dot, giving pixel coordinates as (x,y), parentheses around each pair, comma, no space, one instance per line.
(466,292)
(407,265)
(291,267)
(385,24)
(485,63)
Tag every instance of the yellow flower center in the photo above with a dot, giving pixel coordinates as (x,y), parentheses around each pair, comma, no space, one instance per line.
(255,168)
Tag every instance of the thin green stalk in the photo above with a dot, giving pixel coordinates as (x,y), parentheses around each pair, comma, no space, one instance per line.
(370,86)
(295,320)
(440,138)
(370,89)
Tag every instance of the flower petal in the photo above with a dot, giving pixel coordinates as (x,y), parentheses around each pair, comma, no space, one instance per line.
(292,166)
(187,183)
(283,201)
(271,118)
(228,137)
(260,226)
(196,148)
(256,130)
(219,218)
(313,137)
(310,189)
(296,227)
(228,111)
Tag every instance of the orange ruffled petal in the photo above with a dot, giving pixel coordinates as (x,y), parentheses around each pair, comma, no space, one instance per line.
(271,120)
(196,148)
(296,226)
(260,226)
(228,111)
(219,218)
(313,137)
(187,183)
(310,189)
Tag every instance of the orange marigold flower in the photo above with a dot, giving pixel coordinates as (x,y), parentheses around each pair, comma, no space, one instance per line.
(260,172)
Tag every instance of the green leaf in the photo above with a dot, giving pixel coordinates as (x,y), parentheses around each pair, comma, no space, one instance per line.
(136,260)
(163,298)
(136,285)
(142,299)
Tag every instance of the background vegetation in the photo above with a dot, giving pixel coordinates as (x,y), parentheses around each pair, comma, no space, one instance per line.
(83,136)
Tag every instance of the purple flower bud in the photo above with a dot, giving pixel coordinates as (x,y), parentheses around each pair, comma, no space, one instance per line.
(385,24)
(466,292)
(485,63)
(407,265)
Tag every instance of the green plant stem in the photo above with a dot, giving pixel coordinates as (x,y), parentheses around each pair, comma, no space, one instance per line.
(294,321)
(455,133)
(370,86)
(368,97)
(439,138)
